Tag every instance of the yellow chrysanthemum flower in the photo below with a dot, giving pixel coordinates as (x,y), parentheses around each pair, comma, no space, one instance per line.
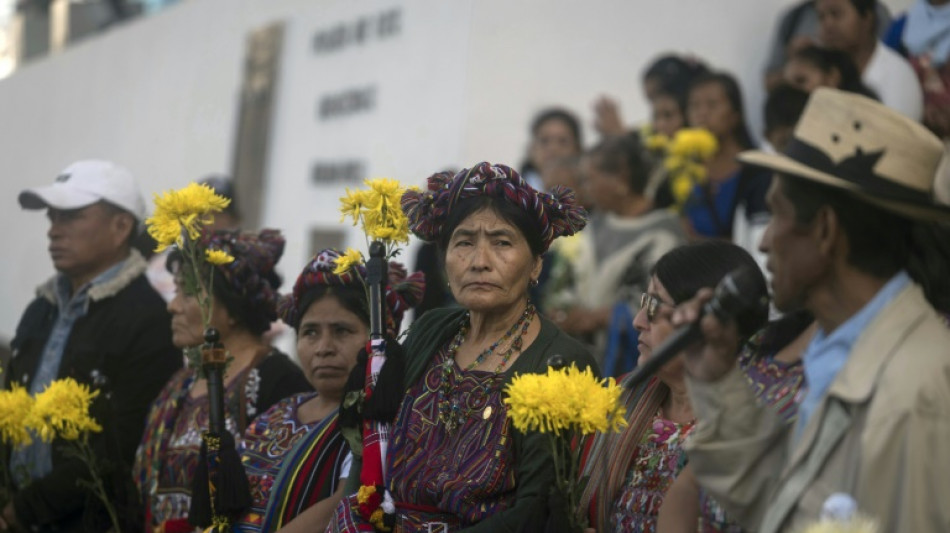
(696,143)
(15,406)
(378,210)
(62,410)
(184,210)
(391,229)
(351,204)
(348,260)
(685,162)
(567,399)
(218,257)
(385,187)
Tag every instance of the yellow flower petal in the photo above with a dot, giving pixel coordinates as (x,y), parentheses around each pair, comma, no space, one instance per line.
(62,410)
(348,260)
(567,399)
(183,210)
(218,257)
(351,204)
(15,407)
(695,143)
(378,210)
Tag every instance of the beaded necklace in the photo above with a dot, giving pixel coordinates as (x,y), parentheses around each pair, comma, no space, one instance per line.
(451,413)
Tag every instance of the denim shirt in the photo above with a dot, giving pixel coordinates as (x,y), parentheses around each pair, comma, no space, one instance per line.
(35,460)
(828,353)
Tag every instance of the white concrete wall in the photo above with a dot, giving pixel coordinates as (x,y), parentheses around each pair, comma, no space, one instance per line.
(159,95)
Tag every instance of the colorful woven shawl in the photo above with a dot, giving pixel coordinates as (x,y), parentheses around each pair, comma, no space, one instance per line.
(150,457)
(309,473)
(606,458)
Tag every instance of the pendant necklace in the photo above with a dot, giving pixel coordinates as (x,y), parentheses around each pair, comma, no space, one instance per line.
(451,412)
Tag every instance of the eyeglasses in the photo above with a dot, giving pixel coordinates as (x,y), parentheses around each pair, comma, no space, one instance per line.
(652,304)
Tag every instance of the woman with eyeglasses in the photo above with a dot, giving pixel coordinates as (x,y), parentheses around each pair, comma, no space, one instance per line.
(631,471)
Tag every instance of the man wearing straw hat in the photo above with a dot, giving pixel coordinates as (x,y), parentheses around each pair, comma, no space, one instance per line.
(853,240)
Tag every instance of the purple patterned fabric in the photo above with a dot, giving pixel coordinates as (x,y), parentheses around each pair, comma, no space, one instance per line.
(558,214)
(447,470)
(456,478)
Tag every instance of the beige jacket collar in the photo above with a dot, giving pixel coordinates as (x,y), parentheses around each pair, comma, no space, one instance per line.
(875,346)
(134,266)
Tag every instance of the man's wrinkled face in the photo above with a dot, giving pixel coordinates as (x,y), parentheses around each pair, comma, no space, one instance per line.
(794,259)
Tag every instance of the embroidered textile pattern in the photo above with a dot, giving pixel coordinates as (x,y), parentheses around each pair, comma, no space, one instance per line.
(167,458)
(468,472)
(659,460)
(266,441)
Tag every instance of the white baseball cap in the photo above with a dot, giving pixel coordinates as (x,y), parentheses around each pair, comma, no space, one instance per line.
(84,183)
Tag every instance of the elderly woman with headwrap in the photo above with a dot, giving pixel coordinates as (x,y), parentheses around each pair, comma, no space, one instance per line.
(455,462)
(294,452)
(257,377)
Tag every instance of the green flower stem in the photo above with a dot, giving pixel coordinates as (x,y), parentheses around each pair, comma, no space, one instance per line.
(578,519)
(98,487)
(365,233)
(209,297)
(205,292)
(202,299)
(566,477)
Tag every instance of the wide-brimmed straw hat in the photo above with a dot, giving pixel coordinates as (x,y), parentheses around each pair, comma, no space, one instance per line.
(854,143)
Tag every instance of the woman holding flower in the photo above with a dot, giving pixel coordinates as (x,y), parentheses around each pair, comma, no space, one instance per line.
(729,199)
(243,304)
(455,462)
(631,471)
(294,452)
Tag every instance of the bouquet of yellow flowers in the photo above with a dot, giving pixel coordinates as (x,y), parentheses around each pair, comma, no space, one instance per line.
(686,155)
(178,219)
(564,404)
(378,211)
(61,411)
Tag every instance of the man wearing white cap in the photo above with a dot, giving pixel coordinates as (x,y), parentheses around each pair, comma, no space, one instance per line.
(854,240)
(99,322)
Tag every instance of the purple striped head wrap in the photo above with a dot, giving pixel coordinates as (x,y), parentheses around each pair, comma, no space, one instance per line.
(402,292)
(557,214)
(251,275)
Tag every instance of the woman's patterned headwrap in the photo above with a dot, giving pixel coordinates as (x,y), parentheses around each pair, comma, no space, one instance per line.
(251,275)
(402,291)
(557,214)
